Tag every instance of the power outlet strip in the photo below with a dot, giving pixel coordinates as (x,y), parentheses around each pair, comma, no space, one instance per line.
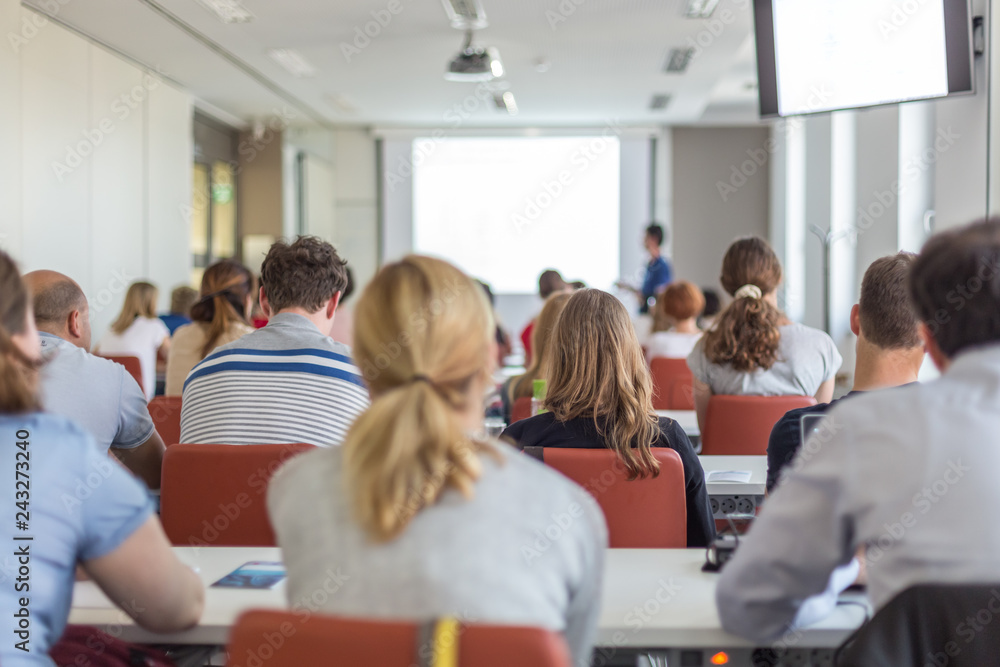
(735,507)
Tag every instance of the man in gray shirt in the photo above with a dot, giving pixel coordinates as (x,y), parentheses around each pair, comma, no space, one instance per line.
(98,394)
(908,474)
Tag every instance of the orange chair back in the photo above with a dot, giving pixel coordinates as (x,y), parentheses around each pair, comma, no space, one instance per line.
(216,494)
(520,410)
(673,387)
(741,425)
(646,513)
(130,363)
(166,414)
(290,641)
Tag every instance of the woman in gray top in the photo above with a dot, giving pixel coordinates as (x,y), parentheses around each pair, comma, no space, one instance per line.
(413,518)
(753,348)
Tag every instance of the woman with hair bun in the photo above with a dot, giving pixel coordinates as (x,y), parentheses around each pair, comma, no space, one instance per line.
(220,316)
(428,517)
(754,349)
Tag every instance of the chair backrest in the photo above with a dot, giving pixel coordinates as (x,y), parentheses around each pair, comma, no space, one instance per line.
(130,363)
(673,387)
(648,513)
(166,414)
(741,425)
(343,642)
(521,409)
(929,624)
(216,494)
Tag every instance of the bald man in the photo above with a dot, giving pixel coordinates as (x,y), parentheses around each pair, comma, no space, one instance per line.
(98,394)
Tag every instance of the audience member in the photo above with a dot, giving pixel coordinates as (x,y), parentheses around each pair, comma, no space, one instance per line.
(504,346)
(343,324)
(712,308)
(110,529)
(181,300)
(549,283)
(288,382)
(753,349)
(220,317)
(138,332)
(428,520)
(889,351)
(98,394)
(679,304)
(900,473)
(600,395)
(523,386)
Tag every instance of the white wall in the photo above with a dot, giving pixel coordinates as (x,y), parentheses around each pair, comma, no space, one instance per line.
(106,183)
(10,130)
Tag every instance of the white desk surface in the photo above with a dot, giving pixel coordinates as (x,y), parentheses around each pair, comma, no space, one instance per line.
(653,598)
(686,418)
(757,465)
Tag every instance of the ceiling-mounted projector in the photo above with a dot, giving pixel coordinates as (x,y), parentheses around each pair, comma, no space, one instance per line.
(474,63)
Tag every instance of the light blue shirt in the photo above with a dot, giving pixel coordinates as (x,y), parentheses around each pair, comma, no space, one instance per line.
(910,474)
(96,393)
(81,505)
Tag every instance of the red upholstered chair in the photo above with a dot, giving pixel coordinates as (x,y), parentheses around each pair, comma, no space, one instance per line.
(216,494)
(333,641)
(130,363)
(672,384)
(520,410)
(646,513)
(166,414)
(741,425)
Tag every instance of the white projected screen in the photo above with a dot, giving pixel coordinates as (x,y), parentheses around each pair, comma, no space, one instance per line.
(506,209)
(840,54)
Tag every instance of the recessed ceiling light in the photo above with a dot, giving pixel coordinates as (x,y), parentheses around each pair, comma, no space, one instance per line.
(700,9)
(678,60)
(293,61)
(659,102)
(228,11)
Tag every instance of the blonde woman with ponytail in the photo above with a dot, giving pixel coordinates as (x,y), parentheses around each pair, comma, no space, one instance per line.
(600,395)
(753,348)
(422,515)
(220,316)
(111,531)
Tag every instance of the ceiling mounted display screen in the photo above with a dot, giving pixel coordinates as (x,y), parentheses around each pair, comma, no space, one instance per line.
(825,55)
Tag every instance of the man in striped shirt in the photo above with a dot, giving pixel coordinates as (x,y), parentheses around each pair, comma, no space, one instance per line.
(288,382)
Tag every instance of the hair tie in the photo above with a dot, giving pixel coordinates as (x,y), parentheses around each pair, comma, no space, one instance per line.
(748,292)
(419,377)
(209,297)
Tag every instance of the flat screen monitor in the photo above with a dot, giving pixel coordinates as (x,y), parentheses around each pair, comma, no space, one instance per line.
(815,56)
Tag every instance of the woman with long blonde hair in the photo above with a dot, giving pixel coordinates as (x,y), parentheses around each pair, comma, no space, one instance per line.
(138,332)
(220,316)
(427,517)
(522,386)
(753,348)
(600,396)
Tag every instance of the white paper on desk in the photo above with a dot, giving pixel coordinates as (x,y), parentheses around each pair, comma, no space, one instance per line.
(734,476)
(86,595)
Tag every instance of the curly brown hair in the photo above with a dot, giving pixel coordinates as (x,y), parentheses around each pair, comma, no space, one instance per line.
(746,334)
(304,274)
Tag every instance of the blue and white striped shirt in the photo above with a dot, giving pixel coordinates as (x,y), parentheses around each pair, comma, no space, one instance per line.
(285,383)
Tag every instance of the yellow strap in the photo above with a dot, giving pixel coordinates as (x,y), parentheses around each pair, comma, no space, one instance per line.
(446,642)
